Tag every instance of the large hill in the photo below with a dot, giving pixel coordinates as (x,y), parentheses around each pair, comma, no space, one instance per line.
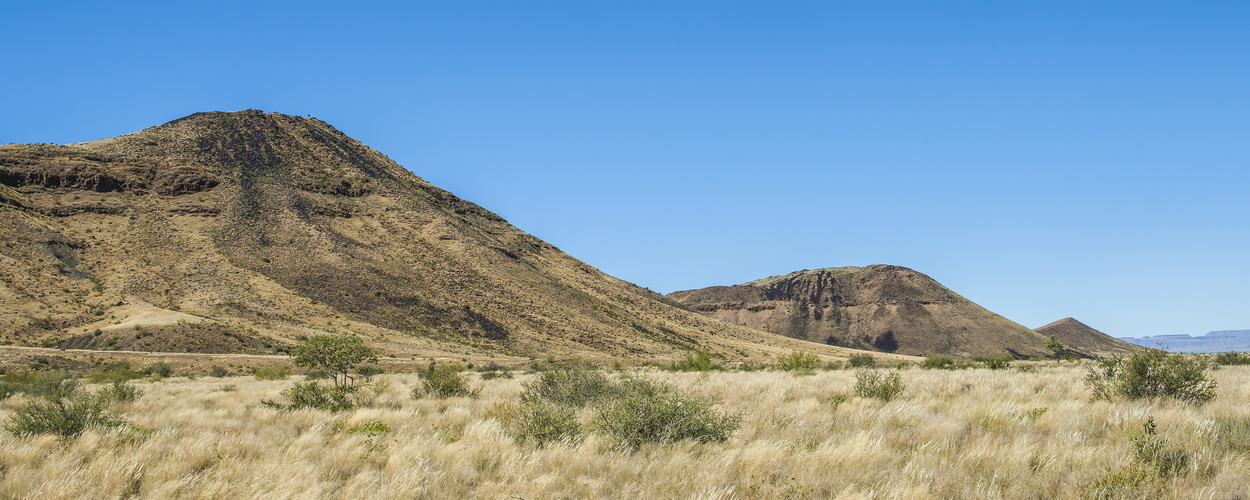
(882,308)
(244,231)
(1084,338)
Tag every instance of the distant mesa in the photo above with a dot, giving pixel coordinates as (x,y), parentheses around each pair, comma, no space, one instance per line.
(1081,337)
(1217,341)
(879,307)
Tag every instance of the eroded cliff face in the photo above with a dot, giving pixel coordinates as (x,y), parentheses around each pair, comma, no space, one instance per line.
(882,308)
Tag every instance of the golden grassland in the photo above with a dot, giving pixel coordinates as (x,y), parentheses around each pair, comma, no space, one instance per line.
(952,434)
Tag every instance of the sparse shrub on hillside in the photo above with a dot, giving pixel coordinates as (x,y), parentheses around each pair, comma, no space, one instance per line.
(443,380)
(63,409)
(272,372)
(1000,362)
(113,372)
(696,361)
(159,369)
(493,370)
(798,361)
(862,361)
(941,361)
(1149,374)
(648,411)
(871,384)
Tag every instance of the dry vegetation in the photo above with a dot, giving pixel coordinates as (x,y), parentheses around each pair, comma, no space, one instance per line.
(971,433)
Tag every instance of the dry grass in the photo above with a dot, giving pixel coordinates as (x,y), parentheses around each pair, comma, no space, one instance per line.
(960,434)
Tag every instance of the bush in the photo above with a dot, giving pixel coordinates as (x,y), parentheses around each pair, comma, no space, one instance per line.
(113,372)
(870,384)
(443,381)
(316,375)
(862,361)
(798,361)
(1232,358)
(697,361)
(542,422)
(62,409)
(493,370)
(336,354)
(1152,374)
(316,396)
(159,369)
(121,392)
(574,387)
(653,412)
(1001,362)
(368,371)
(941,361)
(272,372)
(217,371)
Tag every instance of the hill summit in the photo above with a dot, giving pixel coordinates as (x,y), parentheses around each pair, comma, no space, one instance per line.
(245,231)
(1084,338)
(879,307)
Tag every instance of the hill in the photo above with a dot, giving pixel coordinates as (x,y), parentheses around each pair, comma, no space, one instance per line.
(243,232)
(879,307)
(1081,337)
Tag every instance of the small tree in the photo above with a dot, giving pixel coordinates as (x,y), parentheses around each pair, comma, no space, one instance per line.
(336,354)
(1057,346)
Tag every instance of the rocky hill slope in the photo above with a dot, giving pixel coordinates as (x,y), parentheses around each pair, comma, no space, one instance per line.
(882,308)
(245,231)
(1084,338)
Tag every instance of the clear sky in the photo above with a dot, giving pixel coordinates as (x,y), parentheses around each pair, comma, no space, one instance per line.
(1044,159)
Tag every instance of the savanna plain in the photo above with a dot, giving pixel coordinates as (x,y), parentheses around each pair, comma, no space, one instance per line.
(1029,431)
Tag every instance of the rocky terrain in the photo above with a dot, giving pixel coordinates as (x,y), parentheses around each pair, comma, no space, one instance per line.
(881,308)
(244,232)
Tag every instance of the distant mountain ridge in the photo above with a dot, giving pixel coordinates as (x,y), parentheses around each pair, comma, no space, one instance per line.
(879,307)
(1216,341)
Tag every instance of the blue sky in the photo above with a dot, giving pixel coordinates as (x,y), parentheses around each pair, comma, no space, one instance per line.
(1050,159)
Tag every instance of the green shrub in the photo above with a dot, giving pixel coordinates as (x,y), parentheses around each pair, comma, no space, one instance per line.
(443,381)
(1152,374)
(1000,362)
(368,371)
(862,361)
(697,361)
(832,365)
(113,372)
(541,422)
(316,396)
(573,386)
(647,411)
(1232,358)
(335,354)
(1154,452)
(159,369)
(493,370)
(316,375)
(217,371)
(272,372)
(121,392)
(62,409)
(871,384)
(941,361)
(798,361)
